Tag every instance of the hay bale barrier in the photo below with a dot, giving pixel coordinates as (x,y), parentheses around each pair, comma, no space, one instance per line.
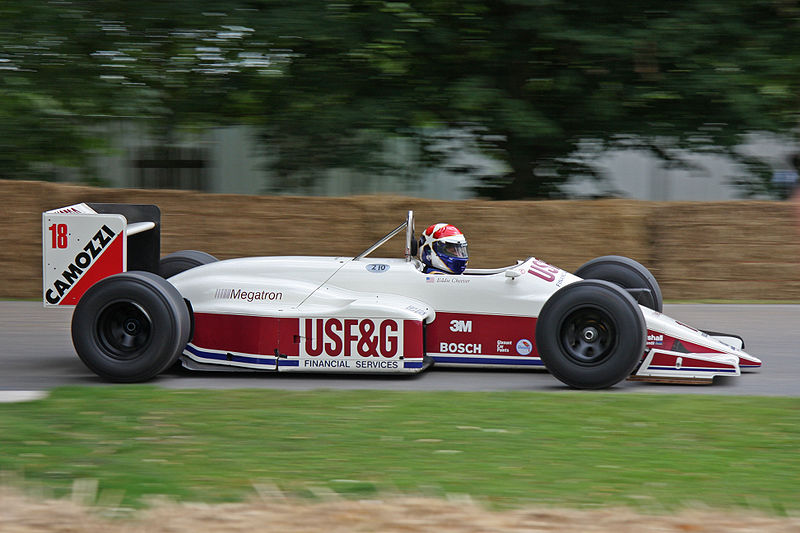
(698,250)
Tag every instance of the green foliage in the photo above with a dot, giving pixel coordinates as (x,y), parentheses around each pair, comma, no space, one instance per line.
(325,82)
(654,452)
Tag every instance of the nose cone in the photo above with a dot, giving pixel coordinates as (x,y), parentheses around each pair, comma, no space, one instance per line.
(748,361)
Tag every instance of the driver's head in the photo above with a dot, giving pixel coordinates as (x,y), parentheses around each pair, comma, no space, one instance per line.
(443,247)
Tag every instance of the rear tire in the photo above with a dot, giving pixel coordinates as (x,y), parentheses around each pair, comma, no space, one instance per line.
(177,262)
(628,274)
(591,334)
(130,327)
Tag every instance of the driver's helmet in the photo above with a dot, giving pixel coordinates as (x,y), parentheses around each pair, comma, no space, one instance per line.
(443,247)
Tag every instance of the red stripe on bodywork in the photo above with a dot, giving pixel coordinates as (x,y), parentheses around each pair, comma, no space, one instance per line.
(412,339)
(289,335)
(668,343)
(489,331)
(255,335)
(263,335)
(663,359)
(109,262)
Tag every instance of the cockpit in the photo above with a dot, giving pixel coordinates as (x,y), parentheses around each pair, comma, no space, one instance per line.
(411,249)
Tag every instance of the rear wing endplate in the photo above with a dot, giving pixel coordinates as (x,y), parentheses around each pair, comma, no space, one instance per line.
(86,242)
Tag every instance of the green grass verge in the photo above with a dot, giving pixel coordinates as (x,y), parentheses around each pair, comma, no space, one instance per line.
(651,452)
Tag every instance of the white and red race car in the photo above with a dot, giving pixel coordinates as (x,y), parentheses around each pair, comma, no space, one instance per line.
(137,314)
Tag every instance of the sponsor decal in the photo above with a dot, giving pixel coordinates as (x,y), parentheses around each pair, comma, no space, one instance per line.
(377,267)
(81,263)
(524,347)
(249,296)
(366,364)
(655,339)
(495,334)
(326,363)
(542,270)
(459,347)
(728,346)
(461,326)
(349,337)
(417,310)
(76,209)
(357,364)
(503,346)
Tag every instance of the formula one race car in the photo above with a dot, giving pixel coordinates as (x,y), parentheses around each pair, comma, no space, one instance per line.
(137,314)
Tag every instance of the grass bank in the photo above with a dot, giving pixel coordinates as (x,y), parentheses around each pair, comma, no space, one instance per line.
(651,452)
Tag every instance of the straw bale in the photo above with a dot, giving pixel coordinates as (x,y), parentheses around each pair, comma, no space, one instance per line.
(693,248)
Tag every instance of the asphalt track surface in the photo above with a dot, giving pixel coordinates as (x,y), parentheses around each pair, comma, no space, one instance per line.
(37,354)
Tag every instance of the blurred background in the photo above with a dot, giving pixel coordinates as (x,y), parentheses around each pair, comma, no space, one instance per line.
(446,99)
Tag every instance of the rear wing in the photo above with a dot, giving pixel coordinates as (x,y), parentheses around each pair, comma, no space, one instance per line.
(84,243)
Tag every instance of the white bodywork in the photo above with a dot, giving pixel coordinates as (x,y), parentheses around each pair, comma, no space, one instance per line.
(482,318)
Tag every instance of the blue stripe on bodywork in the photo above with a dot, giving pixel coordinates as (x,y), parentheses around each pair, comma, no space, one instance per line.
(691,369)
(266,361)
(487,360)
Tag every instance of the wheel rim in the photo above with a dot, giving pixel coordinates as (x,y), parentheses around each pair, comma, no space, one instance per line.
(124,329)
(588,336)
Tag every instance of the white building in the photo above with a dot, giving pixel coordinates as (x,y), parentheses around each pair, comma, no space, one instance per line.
(228,160)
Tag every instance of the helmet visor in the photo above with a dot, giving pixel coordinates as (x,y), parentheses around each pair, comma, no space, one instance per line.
(452,249)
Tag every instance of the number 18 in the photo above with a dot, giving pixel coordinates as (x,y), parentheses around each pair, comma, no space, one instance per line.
(59,234)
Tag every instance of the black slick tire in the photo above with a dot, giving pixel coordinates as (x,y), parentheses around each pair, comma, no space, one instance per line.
(628,274)
(591,334)
(177,262)
(130,327)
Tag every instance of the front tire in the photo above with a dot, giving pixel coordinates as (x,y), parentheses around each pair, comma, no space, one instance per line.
(130,327)
(628,274)
(591,334)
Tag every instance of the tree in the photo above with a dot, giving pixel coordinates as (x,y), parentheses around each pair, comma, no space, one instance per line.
(327,82)
(69,66)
